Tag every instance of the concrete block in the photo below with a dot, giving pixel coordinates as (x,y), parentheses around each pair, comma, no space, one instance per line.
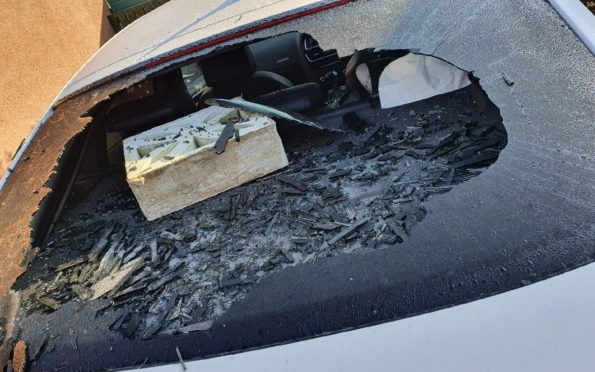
(175,165)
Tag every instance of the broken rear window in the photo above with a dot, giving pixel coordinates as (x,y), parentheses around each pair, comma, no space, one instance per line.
(226,180)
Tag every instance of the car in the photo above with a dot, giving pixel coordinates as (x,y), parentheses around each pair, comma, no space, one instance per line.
(383,214)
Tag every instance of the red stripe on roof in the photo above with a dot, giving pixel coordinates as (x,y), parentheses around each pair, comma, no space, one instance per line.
(244,32)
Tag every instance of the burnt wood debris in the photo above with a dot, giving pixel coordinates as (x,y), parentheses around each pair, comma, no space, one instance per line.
(351,192)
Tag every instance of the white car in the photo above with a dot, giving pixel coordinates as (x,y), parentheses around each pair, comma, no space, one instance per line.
(398,237)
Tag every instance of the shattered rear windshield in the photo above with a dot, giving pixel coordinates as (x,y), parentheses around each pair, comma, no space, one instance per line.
(179,233)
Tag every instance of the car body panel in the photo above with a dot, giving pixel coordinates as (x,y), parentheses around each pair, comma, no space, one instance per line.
(579,18)
(543,327)
(528,217)
(178,25)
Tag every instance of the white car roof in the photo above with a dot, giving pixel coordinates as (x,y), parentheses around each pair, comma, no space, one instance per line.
(175,26)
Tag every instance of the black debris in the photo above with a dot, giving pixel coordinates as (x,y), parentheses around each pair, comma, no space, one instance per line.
(507,80)
(131,326)
(328,226)
(102,242)
(226,135)
(339,173)
(292,182)
(477,160)
(154,323)
(348,230)
(354,122)
(362,190)
(451,176)
(231,282)
(197,327)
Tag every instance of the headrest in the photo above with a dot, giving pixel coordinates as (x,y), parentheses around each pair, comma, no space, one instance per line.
(231,65)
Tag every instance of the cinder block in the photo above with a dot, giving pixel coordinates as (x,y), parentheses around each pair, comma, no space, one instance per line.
(175,165)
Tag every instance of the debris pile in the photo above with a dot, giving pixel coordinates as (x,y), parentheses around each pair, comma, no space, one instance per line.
(361,190)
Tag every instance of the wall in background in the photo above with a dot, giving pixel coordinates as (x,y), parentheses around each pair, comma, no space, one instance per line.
(42,44)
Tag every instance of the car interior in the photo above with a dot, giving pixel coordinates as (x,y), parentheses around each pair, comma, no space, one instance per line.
(363,157)
(290,71)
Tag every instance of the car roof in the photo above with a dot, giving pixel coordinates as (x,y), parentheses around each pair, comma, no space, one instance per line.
(175,26)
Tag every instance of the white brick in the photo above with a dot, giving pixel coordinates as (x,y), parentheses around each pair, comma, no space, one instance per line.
(174,165)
